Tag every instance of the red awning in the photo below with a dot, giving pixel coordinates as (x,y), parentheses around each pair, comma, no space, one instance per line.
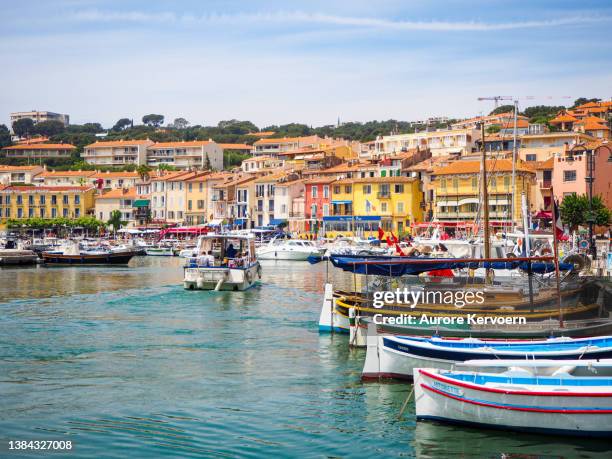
(544,215)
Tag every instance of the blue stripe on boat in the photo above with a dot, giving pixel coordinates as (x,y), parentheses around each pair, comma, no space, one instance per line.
(481,379)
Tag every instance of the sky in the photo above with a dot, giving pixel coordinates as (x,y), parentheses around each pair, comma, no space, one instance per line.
(312,61)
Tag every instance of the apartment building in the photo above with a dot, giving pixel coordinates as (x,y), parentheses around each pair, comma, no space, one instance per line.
(198,154)
(540,147)
(224,198)
(361,205)
(199,196)
(117,152)
(114,180)
(440,142)
(39,116)
(458,191)
(572,169)
(160,185)
(66,178)
(39,151)
(285,191)
(262,164)
(121,199)
(317,203)
(12,175)
(45,202)
(245,204)
(498,119)
(272,147)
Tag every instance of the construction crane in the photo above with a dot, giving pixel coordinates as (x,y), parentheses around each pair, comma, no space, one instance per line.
(496,99)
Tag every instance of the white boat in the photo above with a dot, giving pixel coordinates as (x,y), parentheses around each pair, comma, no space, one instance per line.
(398,356)
(160,251)
(520,399)
(188,252)
(223,262)
(289,249)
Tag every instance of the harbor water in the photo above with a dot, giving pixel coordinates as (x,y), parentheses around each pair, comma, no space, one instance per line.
(124,362)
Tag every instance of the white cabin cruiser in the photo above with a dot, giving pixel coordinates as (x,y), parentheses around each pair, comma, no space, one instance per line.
(289,249)
(223,262)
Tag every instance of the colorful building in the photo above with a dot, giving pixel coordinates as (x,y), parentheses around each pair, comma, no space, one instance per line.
(317,204)
(117,152)
(121,199)
(200,154)
(18,202)
(39,151)
(23,175)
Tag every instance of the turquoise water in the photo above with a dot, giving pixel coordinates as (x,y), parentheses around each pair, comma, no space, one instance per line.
(124,362)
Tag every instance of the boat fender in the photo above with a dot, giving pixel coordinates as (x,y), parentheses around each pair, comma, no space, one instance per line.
(200,283)
(259,271)
(249,276)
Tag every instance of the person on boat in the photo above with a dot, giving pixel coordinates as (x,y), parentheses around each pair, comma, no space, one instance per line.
(231,251)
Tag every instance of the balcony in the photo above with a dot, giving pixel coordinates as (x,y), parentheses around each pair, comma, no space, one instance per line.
(545,184)
(383,195)
(296,215)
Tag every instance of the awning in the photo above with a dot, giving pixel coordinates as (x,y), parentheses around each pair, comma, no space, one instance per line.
(341,201)
(215,222)
(468,201)
(141,203)
(351,218)
(498,202)
(277,221)
(240,221)
(447,203)
(129,231)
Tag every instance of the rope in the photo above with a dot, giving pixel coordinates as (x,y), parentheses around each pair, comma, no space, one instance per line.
(399,417)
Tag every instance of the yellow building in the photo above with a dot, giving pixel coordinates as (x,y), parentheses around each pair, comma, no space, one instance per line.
(364,204)
(45,202)
(457,190)
(198,196)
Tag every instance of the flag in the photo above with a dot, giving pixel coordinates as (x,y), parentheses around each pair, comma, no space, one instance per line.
(557,223)
(399,250)
(381,234)
(369,206)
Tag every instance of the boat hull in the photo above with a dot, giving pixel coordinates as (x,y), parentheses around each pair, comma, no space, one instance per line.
(112,258)
(589,413)
(218,278)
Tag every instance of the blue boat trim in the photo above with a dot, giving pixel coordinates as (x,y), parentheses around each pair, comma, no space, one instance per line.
(328,328)
(578,381)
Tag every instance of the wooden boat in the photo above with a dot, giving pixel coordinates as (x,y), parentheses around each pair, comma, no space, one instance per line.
(397,356)
(561,404)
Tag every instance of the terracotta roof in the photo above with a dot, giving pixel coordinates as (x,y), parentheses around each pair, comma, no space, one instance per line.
(205,177)
(285,140)
(118,193)
(48,188)
(41,146)
(191,143)
(4,168)
(271,177)
(236,181)
(393,179)
(429,164)
(593,126)
(563,117)
(118,143)
(125,174)
(46,174)
(169,175)
(316,180)
(235,146)
(543,165)
(473,167)
(262,133)
(262,158)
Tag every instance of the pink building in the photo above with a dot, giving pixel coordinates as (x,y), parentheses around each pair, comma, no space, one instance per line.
(571,169)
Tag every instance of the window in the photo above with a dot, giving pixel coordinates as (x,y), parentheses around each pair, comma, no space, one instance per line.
(337,189)
(42,212)
(77,212)
(77,199)
(474,183)
(399,188)
(54,213)
(400,207)
(271,205)
(65,213)
(493,182)
(383,189)
(367,189)
(201,185)
(326,191)
(347,188)
(53,200)
(20,213)
(189,204)
(30,200)
(313,210)
(569,176)
(530,157)
(325,210)
(8,200)
(200,203)
(443,183)
(314,191)
(42,200)
(383,206)
(19,200)
(455,182)
(507,181)
(30,212)
(190,186)
(65,199)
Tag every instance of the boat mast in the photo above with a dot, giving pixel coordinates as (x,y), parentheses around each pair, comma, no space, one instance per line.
(485,194)
(514,154)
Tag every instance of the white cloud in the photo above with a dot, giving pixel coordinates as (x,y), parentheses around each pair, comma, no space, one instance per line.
(283,17)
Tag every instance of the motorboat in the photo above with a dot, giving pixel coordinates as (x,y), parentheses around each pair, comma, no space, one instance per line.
(70,253)
(222,262)
(572,398)
(289,249)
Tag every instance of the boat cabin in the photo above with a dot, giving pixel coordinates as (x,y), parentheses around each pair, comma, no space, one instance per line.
(224,251)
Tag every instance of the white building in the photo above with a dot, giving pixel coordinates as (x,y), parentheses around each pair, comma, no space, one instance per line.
(272,147)
(440,142)
(13,175)
(186,155)
(284,194)
(121,199)
(117,153)
(39,116)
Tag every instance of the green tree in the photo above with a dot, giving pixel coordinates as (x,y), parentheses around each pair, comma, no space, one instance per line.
(584,100)
(144,171)
(153,120)
(122,124)
(5,136)
(23,127)
(49,128)
(207,165)
(180,123)
(575,211)
(115,220)
(493,129)
(502,109)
